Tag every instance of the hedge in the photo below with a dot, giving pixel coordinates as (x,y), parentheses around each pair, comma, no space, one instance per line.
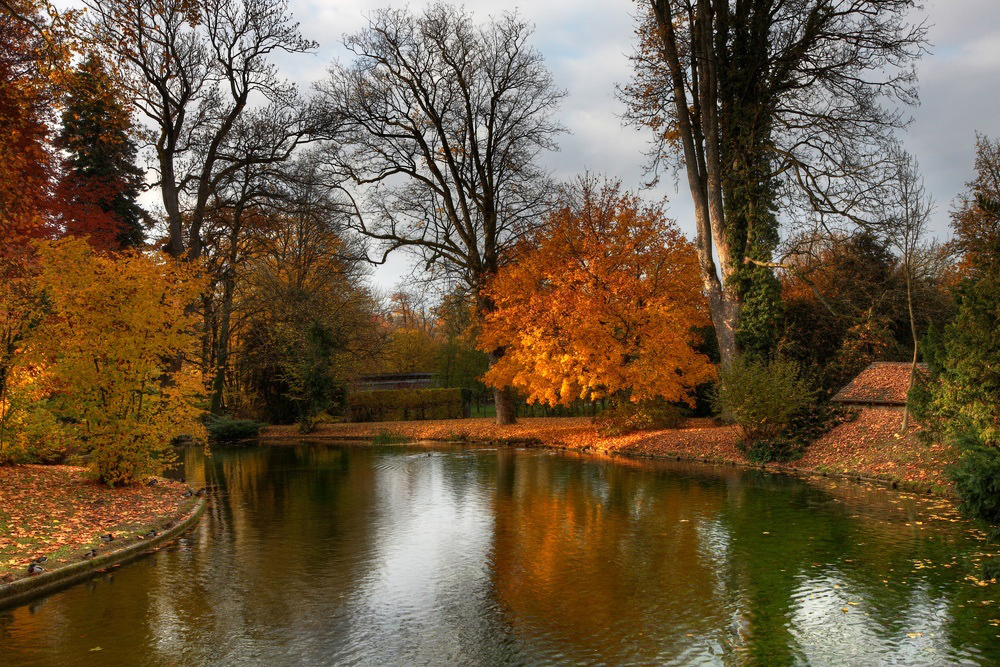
(405,404)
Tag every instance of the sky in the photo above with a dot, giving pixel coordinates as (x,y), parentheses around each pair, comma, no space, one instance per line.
(586,44)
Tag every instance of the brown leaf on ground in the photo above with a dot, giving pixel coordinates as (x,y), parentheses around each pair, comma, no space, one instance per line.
(59,512)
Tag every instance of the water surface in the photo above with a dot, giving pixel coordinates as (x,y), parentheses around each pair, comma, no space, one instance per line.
(316,554)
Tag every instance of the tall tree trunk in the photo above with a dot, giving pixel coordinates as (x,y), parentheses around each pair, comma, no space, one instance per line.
(222,348)
(724,309)
(913,365)
(503,398)
(699,131)
(171,204)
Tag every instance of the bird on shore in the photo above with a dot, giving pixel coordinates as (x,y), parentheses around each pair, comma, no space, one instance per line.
(200,492)
(40,559)
(90,554)
(150,535)
(151,482)
(35,569)
(107,538)
(187,493)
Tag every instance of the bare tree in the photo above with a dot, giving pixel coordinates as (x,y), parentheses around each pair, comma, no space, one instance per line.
(196,70)
(245,211)
(440,121)
(768,103)
(910,211)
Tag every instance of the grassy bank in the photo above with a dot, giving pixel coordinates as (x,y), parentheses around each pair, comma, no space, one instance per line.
(868,447)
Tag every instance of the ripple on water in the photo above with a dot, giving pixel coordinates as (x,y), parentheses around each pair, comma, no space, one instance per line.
(318,555)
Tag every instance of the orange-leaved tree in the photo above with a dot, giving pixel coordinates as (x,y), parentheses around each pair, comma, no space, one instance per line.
(105,352)
(603,301)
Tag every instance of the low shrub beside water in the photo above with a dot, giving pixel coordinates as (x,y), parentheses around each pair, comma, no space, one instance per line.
(226,429)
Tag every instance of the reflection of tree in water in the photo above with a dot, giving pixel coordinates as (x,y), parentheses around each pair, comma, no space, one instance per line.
(278,543)
(517,557)
(716,562)
(584,554)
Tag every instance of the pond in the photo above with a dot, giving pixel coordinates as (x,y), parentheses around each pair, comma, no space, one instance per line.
(319,554)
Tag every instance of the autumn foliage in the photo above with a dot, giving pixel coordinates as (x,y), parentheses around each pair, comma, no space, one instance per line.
(97,371)
(27,160)
(603,300)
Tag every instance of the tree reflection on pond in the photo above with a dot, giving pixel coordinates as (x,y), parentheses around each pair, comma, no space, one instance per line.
(323,554)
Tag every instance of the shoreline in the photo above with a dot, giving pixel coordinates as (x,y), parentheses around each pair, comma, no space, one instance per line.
(867,449)
(24,589)
(56,515)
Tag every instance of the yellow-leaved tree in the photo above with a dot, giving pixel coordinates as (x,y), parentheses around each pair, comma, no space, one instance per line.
(106,353)
(603,301)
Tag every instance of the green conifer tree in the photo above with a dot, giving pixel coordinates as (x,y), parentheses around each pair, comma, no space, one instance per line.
(102,181)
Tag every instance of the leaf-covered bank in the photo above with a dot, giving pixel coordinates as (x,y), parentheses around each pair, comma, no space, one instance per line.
(866,447)
(60,513)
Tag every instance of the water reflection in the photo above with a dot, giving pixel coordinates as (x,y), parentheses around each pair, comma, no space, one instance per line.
(325,555)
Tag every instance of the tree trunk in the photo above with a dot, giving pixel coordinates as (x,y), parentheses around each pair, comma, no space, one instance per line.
(503,398)
(913,365)
(724,309)
(171,203)
(698,127)
(222,349)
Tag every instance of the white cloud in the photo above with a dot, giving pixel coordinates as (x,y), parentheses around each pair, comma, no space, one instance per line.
(586,42)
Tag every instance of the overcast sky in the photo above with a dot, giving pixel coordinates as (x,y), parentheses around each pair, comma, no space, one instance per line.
(586,45)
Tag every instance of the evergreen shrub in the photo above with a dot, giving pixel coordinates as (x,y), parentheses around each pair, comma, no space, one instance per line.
(977,479)
(223,429)
(762,397)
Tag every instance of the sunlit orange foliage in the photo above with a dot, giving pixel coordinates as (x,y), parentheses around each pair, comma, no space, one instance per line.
(603,300)
(27,161)
(106,350)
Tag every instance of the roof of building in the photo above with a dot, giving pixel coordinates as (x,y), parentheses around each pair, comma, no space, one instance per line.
(882,383)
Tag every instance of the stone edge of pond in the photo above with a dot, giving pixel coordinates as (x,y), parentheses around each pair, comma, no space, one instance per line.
(22,590)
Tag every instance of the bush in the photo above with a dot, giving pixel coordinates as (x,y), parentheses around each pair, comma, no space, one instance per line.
(804,426)
(977,480)
(771,450)
(627,417)
(226,429)
(405,404)
(813,420)
(762,396)
(103,355)
(33,435)
(385,438)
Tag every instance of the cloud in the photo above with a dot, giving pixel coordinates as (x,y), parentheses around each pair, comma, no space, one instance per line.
(959,97)
(586,44)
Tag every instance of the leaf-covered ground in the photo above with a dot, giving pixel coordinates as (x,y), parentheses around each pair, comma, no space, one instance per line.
(60,513)
(868,446)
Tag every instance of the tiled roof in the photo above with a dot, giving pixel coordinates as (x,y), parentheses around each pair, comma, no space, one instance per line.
(882,383)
